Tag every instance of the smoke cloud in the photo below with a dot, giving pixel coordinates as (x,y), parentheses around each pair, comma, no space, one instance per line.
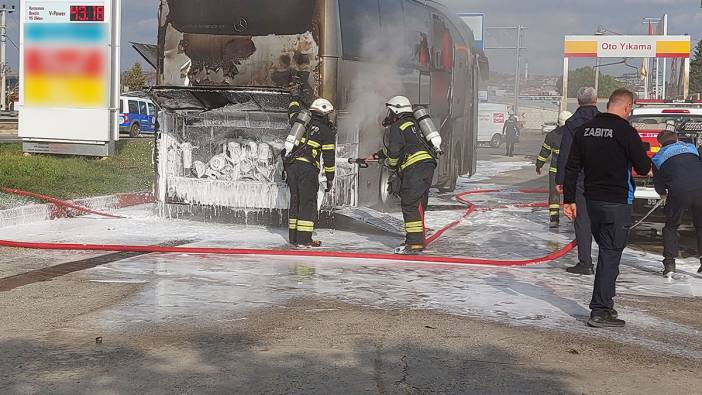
(379,77)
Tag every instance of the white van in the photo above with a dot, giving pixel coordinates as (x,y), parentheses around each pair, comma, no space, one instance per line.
(491,123)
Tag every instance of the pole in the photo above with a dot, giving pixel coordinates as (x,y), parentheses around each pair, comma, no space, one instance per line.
(3,55)
(564,99)
(658,79)
(665,61)
(648,72)
(686,79)
(519,29)
(597,76)
(516,73)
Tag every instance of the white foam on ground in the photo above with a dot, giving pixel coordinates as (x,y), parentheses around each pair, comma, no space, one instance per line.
(191,287)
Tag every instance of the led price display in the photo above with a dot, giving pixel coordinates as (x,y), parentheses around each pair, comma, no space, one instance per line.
(87,13)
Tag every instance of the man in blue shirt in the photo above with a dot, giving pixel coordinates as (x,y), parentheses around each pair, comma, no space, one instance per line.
(678,179)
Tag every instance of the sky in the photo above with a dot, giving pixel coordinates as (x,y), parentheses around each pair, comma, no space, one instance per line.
(547,21)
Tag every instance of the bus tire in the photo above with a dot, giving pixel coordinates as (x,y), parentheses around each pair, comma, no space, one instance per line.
(135,130)
(496,141)
(386,200)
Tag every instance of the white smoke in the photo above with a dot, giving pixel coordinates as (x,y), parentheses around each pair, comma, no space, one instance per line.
(379,76)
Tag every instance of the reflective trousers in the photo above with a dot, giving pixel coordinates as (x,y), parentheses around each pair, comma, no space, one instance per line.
(414,198)
(554,199)
(303,181)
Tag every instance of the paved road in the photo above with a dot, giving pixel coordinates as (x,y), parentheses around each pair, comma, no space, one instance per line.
(79,322)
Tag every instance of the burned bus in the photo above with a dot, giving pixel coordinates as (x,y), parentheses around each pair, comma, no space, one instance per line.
(226,69)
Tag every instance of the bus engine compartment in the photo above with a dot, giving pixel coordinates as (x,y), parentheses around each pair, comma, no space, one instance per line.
(220,147)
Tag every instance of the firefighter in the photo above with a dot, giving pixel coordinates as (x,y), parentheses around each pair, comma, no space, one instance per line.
(678,179)
(511,132)
(551,147)
(408,154)
(303,163)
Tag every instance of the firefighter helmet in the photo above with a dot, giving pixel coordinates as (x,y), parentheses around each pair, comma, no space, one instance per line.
(563,117)
(322,107)
(399,105)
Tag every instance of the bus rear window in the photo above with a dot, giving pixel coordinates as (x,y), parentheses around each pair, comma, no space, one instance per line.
(241,17)
(245,43)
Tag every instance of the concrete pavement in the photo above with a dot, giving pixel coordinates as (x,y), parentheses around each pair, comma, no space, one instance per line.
(118,323)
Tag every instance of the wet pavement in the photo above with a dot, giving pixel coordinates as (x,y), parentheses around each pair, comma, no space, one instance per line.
(180,289)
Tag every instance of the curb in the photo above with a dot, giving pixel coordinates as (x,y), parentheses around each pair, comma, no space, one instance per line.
(47,212)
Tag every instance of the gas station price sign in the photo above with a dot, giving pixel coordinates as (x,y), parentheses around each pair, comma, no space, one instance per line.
(69,65)
(87,13)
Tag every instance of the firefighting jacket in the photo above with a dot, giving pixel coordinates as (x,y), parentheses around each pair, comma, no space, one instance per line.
(404,145)
(552,148)
(318,143)
(677,169)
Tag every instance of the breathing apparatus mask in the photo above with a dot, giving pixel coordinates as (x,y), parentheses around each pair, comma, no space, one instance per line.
(390,118)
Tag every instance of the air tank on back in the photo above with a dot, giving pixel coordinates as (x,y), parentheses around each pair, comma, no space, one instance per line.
(302,120)
(428,128)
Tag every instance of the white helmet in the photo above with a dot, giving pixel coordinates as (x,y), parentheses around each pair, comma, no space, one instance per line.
(399,105)
(322,106)
(563,117)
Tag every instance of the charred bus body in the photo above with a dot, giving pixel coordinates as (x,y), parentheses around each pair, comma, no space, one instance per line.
(226,69)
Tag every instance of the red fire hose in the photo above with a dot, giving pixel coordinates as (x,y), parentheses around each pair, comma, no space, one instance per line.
(471,207)
(58,202)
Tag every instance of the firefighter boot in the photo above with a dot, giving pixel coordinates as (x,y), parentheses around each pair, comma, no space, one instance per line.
(413,249)
(311,244)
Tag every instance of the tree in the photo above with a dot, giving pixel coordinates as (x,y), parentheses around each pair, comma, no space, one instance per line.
(584,77)
(134,79)
(696,70)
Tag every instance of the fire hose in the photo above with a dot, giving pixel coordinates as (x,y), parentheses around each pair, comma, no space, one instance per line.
(648,214)
(57,202)
(471,208)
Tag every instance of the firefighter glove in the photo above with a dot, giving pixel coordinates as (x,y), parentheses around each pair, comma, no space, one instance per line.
(394,184)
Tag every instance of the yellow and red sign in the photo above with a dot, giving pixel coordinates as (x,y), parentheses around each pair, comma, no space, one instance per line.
(65,54)
(66,77)
(627,46)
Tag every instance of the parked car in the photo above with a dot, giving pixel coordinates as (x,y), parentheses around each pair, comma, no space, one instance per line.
(137,115)
(649,118)
(548,127)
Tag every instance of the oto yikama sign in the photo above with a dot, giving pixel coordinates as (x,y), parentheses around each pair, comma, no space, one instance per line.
(627,46)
